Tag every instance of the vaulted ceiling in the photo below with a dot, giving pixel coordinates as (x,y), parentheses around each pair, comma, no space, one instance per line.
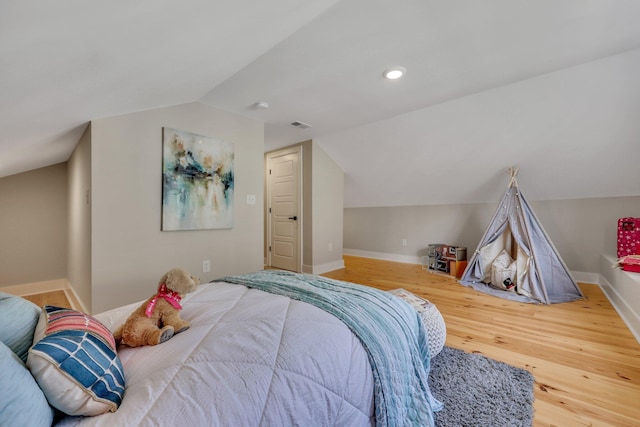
(550,86)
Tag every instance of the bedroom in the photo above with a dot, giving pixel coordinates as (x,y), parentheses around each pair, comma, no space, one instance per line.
(578,194)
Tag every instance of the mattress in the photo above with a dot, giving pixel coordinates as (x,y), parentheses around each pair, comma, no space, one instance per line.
(250,358)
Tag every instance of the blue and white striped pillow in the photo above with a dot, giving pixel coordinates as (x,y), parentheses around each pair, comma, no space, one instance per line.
(74,361)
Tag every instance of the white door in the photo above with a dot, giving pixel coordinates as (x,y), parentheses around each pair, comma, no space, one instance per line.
(284,208)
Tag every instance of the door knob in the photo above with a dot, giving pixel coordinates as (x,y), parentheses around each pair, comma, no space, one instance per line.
(295,217)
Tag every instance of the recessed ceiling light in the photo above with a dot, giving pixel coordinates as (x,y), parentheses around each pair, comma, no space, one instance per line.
(261,105)
(394,73)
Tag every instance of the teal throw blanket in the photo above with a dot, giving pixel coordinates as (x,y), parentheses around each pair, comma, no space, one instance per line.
(389,329)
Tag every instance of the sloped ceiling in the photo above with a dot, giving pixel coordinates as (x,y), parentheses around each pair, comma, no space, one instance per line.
(64,63)
(550,86)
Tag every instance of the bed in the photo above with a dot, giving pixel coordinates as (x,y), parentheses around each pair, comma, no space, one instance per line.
(277,349)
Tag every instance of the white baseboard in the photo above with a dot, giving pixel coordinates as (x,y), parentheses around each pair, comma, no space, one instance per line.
(623,291)
(584,277)
(323,268)
(76,303)
(407,259)
(627,313)
(36,287)
(47,286)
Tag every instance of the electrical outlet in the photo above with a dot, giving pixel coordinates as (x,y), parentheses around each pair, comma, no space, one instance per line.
(404,242)
(206,266)
(330,247)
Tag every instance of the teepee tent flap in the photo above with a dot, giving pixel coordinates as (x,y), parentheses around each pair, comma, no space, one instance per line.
(540,274)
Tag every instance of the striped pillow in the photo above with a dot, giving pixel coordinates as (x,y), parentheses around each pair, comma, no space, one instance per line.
(75,363)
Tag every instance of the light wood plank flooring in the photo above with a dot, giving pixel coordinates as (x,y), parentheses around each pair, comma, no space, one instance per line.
(585,360)
(57,298)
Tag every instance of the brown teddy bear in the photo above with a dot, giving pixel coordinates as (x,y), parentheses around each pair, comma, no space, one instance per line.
(158,319)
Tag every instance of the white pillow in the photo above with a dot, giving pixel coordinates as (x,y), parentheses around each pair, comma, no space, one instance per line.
(489,253)
(503,268)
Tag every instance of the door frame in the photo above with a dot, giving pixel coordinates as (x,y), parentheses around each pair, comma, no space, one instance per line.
(267,209)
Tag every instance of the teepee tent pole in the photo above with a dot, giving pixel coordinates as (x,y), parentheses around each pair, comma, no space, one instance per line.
(513,173)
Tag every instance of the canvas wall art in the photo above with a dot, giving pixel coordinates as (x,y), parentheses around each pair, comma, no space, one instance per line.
(197,181)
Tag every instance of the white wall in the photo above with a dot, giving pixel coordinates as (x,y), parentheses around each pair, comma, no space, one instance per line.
(129,252)
(328,212)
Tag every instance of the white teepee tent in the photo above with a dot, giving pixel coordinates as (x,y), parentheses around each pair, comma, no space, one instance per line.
(516,259)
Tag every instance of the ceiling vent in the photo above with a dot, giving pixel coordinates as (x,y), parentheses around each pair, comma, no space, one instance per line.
(300,125)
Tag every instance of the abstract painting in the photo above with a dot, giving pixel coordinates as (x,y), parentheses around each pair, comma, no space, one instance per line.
(197,181)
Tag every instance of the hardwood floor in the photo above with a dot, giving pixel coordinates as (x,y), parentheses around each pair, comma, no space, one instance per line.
(585,360)
(57,298)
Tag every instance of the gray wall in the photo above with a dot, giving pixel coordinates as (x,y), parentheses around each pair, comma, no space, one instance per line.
(581,229)
(584,229)
(129,252)
(79,219)
(33,226)
(381,229)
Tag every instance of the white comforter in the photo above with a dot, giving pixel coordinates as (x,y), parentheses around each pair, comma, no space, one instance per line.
(250,358)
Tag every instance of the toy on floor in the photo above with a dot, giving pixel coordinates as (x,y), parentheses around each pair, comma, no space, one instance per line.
(158,318)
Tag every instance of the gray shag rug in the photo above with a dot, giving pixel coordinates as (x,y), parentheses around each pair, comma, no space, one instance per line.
(478,391)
